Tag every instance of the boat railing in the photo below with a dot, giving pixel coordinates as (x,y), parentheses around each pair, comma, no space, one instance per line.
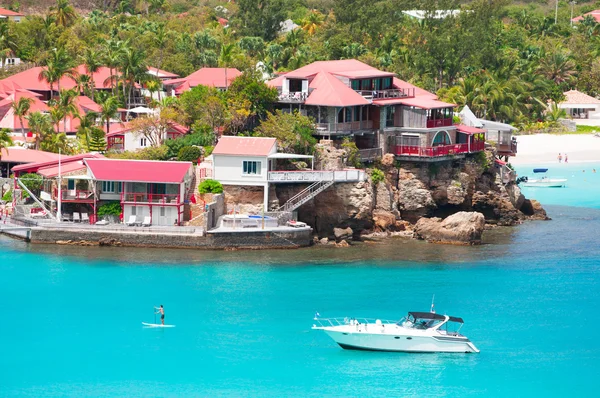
(328,322)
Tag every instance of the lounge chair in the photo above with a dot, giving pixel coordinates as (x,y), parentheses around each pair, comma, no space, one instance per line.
(132,221)
(147,222)
(85,218)
(76,217)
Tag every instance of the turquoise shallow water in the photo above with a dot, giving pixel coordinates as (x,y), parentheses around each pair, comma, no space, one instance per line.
(71,316)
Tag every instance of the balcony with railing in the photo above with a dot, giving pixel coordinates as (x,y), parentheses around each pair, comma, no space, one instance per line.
(340,128)
(293,97)
(370,154)
(150,198)
(300,176)
(433,123)
(75,195)
(392,93)
(508,149)
(439,150)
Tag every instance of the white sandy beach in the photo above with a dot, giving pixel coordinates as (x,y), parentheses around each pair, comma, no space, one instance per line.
(544,148)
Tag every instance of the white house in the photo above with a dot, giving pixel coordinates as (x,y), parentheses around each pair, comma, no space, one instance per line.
(123,137)
(145,188)
(11,15)
(579,105)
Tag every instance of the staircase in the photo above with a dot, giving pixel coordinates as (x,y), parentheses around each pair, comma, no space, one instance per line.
(305,195)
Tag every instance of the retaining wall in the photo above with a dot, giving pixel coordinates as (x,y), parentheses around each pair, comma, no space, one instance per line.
(287,238)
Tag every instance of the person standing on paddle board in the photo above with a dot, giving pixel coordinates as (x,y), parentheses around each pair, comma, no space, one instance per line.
(161,311)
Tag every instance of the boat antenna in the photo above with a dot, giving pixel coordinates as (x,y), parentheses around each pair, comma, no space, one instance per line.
(432,305)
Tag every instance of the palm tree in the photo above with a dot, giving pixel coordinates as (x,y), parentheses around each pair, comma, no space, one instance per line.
(67,106)
(113,51)
(63,12)
(59,65)
(57,143)
(39,124)
(554,113)
(558,67)
(225,58)
(133,68)
(86,125)
(109,110)
(20,109)
(92,61)
(312,22)
(8,42)
(5,142)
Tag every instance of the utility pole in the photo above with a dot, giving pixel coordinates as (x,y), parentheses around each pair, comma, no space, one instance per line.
(556,13)
(572,3)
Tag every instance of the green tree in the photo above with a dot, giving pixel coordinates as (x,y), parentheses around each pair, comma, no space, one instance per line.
(58,66)
(92,61)
(260,18)
(21,108)
(87,122)
(8,42)
(250,87)
(66,104)
(109,108)
(5,141)
(97,140)
(293,131)
(40,125)
(57,143)
(63,13)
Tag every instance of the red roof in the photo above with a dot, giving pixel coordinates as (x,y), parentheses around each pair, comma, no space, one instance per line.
(29,79)
(468,129)
(8,119)
(248,146)
(152,171)
(162,74)
(211,77)
(64,161)
(23,155)
(595,14)
(69,167)
(9,13)
(122,128)
(329,89)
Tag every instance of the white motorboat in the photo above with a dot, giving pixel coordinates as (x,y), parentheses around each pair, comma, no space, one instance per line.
(418,332)
(543,181)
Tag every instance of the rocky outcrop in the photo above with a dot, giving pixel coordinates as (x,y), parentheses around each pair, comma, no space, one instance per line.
(342,234)
(463,228)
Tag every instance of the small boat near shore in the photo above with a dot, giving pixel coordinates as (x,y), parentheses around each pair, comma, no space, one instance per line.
(543,181)
(417,332)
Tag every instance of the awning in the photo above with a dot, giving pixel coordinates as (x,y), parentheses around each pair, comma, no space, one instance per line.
(468,129)
(141,109)
(289,156)
(500,162)
(425,103)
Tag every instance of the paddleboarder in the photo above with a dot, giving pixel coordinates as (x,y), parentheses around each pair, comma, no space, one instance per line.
(161,310)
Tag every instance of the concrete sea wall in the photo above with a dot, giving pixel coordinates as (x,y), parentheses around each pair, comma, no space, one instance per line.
(284,238)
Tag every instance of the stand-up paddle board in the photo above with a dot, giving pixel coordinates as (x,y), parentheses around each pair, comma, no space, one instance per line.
(157,325)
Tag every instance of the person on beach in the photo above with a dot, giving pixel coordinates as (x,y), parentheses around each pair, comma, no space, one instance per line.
(161,310)
(559,158)
(566,158)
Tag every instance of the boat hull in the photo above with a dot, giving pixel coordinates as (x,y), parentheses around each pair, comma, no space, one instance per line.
(400,343)
(557,183)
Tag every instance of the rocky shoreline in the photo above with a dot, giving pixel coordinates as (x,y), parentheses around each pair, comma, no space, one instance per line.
(452,202)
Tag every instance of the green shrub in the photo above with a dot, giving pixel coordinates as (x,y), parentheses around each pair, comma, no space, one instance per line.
(352,153)
(149,153)
(32,181)
(7,196)
(210,186)
(208,150)
(377,176)
(110,209)
(189,154)
(482,159)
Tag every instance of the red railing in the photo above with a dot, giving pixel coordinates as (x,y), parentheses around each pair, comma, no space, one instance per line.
(431,123)
(141,197)
(440,150)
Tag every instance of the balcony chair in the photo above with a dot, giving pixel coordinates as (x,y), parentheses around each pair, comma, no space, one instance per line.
(76,217)
(85,218)
(147,222)
(132,221)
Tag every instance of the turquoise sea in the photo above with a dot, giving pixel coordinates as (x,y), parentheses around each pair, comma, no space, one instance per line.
(71,317)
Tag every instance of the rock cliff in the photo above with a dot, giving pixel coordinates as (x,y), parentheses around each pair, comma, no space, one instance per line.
(419,191)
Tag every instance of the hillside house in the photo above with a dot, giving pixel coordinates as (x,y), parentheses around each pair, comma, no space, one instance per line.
(219,78)
(374,108)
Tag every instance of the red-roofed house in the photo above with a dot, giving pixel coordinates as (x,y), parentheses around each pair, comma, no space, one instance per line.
(381,112)
(594,14)
(123,137)
(14,156)
(219,78)
(147,190)
(10,15)
(252,161)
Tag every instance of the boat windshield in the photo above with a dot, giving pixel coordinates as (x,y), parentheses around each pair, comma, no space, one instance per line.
(416,322)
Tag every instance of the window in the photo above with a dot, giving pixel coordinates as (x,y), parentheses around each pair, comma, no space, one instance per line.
(70,184)
(108,186)
(251,167)
(162,211)
(143,142)
(355,84)
(295,85)
(390,112)
(133,212)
